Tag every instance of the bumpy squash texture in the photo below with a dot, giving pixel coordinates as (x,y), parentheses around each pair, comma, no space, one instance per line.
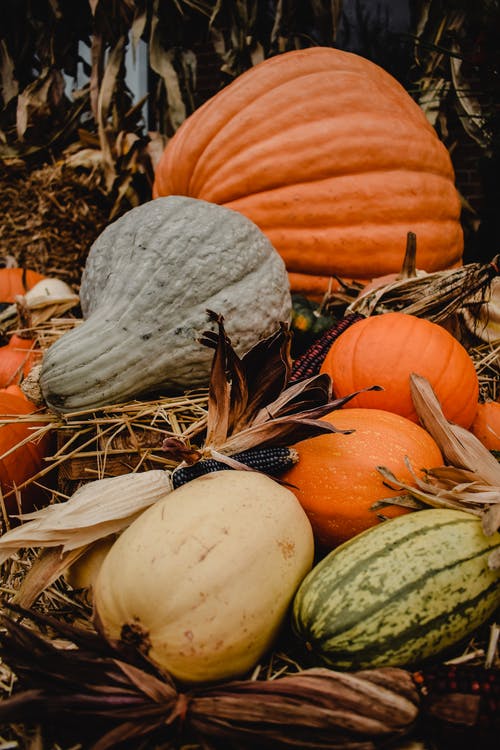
(148,282)
(331,158)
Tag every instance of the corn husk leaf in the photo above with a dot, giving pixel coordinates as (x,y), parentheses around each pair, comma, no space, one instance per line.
(250,402)
(459,447)
(471,480)
(45,570)
(95,510)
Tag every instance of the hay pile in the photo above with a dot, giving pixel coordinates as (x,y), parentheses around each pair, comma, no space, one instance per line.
(50,216)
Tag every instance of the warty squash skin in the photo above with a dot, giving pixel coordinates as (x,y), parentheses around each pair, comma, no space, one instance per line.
(329,155)
(203,579)
(147,284)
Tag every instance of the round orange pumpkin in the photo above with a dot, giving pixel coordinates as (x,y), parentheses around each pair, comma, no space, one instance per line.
(14,281)
(312,145)
(336,478)
(17,358)
(19,462)
(486,424)
(385,349)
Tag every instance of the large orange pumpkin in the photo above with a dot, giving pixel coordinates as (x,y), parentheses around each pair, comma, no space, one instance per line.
(486,424)
(334,161)
(25,461)
(336,478)
(386,349)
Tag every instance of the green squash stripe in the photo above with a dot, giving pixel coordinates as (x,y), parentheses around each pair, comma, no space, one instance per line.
(365,610)
(399,593)
(410,640)
(316,589)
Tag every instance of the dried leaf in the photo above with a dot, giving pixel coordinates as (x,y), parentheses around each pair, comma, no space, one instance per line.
(39,100)
(219,392)
(266,369)
(96,509)
(427,493)
(8,82)
(459,446)
(161,61)
(318,708)
(107,91)
(435,296)
(48,567)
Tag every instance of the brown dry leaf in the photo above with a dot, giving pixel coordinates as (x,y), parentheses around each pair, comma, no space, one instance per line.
(251,404)
(161,61)
(435,296)
(318,708)
(219,392)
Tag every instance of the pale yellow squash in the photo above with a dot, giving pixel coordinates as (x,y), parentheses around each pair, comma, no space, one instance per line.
(203,579)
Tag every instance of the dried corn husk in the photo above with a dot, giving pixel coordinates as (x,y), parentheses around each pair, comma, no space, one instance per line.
(97,509)
(313,708)
(436,296)
(470,481)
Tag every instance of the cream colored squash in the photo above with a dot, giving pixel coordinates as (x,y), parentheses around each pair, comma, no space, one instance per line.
(203,579)
(82,573)
(148,282)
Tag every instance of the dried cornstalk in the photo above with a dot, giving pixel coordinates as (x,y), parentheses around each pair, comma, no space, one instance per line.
(436,296)
(116,696)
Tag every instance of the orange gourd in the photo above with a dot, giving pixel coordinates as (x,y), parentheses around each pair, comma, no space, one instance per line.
(313,146)
(385,349)
(17,358)
(486,424)
(14,281)
(25,461)
(336,478)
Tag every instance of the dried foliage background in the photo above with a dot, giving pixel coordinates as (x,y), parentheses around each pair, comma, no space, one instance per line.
(94,137)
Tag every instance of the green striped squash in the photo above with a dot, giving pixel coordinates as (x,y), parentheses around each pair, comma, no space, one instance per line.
(400,592)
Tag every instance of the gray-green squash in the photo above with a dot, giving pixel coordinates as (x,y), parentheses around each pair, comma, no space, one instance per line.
(148,281)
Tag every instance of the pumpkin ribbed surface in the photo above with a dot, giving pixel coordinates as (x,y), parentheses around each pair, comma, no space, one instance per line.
(331,158)
(386,349)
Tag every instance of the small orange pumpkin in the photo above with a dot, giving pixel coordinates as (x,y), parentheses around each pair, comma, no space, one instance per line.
(16,360)
(25,461)
(14,281)
(336,478)
(486,424)
(386,349)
